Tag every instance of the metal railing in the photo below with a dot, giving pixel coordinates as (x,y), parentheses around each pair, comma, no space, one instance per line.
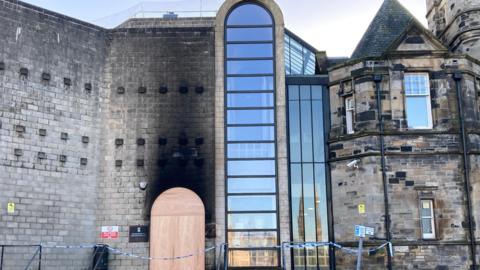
(38,252)
(34,261)
(160,9)
(98,260)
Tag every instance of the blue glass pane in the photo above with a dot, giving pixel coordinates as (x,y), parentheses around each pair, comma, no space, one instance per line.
(251,150)
(418,112)
(294,127)
(305,92)
(416,84)
(321,202)
(249,14)
(250,117)
(250,34)
(309,203)
(250,83)
(251,185)
(293,92)
(250,167)
(298,59)
(317,92)
(252,221)
(250,67)
(251,203)
(250,133)
(249,50)
(427,226)
(308,62)
(318,131)
(287,54)
(306,126)
(297,202)
(250,100)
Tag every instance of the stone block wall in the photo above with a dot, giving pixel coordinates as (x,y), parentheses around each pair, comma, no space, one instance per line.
(160,107)
(431,257)
(87,114)
(442,91)
(456,23)
(351,187)
(419,164)
(412,178)
(51,102)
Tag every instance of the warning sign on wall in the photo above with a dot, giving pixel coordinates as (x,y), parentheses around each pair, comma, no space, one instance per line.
(361,208)
(11,208)
(109,232)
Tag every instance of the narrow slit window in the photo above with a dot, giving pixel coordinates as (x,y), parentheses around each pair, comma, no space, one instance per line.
(349,114)
(427,219)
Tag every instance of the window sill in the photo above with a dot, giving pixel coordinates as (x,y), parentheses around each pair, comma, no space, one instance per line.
(420,128)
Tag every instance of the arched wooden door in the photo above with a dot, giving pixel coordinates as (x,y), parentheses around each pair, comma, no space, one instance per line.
(177,228)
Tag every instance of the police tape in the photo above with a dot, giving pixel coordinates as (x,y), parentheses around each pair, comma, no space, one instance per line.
(132,255)
(285,245)
(119,252)
(337,246)
(87,246)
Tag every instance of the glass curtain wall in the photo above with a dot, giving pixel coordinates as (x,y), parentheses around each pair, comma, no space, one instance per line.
(307,175)
(251,173)
(298,59)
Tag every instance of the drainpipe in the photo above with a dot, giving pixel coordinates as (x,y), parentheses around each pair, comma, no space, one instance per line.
(377,78)
(457,77)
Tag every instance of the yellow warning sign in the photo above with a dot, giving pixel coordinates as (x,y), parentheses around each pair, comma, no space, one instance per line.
(361,208)
(11,208)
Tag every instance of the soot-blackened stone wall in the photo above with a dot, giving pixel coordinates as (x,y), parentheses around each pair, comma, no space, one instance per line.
(160,122)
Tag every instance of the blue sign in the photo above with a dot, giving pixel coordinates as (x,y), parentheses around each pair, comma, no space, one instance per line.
(362,231)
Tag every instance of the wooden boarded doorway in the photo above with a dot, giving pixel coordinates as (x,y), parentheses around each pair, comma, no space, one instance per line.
(177,228)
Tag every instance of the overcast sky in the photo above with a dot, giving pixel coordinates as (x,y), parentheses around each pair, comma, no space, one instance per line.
(335,26)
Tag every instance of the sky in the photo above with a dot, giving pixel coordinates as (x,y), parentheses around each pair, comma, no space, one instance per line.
(334,26)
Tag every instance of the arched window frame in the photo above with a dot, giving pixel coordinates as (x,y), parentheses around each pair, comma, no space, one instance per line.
(273,75)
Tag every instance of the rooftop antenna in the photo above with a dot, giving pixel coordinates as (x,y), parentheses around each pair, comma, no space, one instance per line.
(201,8)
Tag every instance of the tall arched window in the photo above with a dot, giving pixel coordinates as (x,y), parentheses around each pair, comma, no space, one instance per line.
(251,167)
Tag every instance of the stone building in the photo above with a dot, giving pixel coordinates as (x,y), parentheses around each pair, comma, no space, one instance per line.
(281,143)
(405,107)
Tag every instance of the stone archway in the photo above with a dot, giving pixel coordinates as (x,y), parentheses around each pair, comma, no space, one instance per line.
(177,228)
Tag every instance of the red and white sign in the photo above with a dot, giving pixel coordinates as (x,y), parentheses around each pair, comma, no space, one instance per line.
(109,232)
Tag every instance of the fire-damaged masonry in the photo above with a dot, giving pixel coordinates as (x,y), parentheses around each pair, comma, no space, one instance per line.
(96,123)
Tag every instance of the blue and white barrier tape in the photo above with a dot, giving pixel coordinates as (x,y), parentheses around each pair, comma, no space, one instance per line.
(293,245)
(119,252)
(126,254)
(335,245)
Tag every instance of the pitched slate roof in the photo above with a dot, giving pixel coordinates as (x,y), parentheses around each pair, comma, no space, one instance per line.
(390,22)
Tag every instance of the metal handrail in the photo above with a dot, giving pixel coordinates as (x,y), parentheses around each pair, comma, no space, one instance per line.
(38,252)
(1,258)
(39,249)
